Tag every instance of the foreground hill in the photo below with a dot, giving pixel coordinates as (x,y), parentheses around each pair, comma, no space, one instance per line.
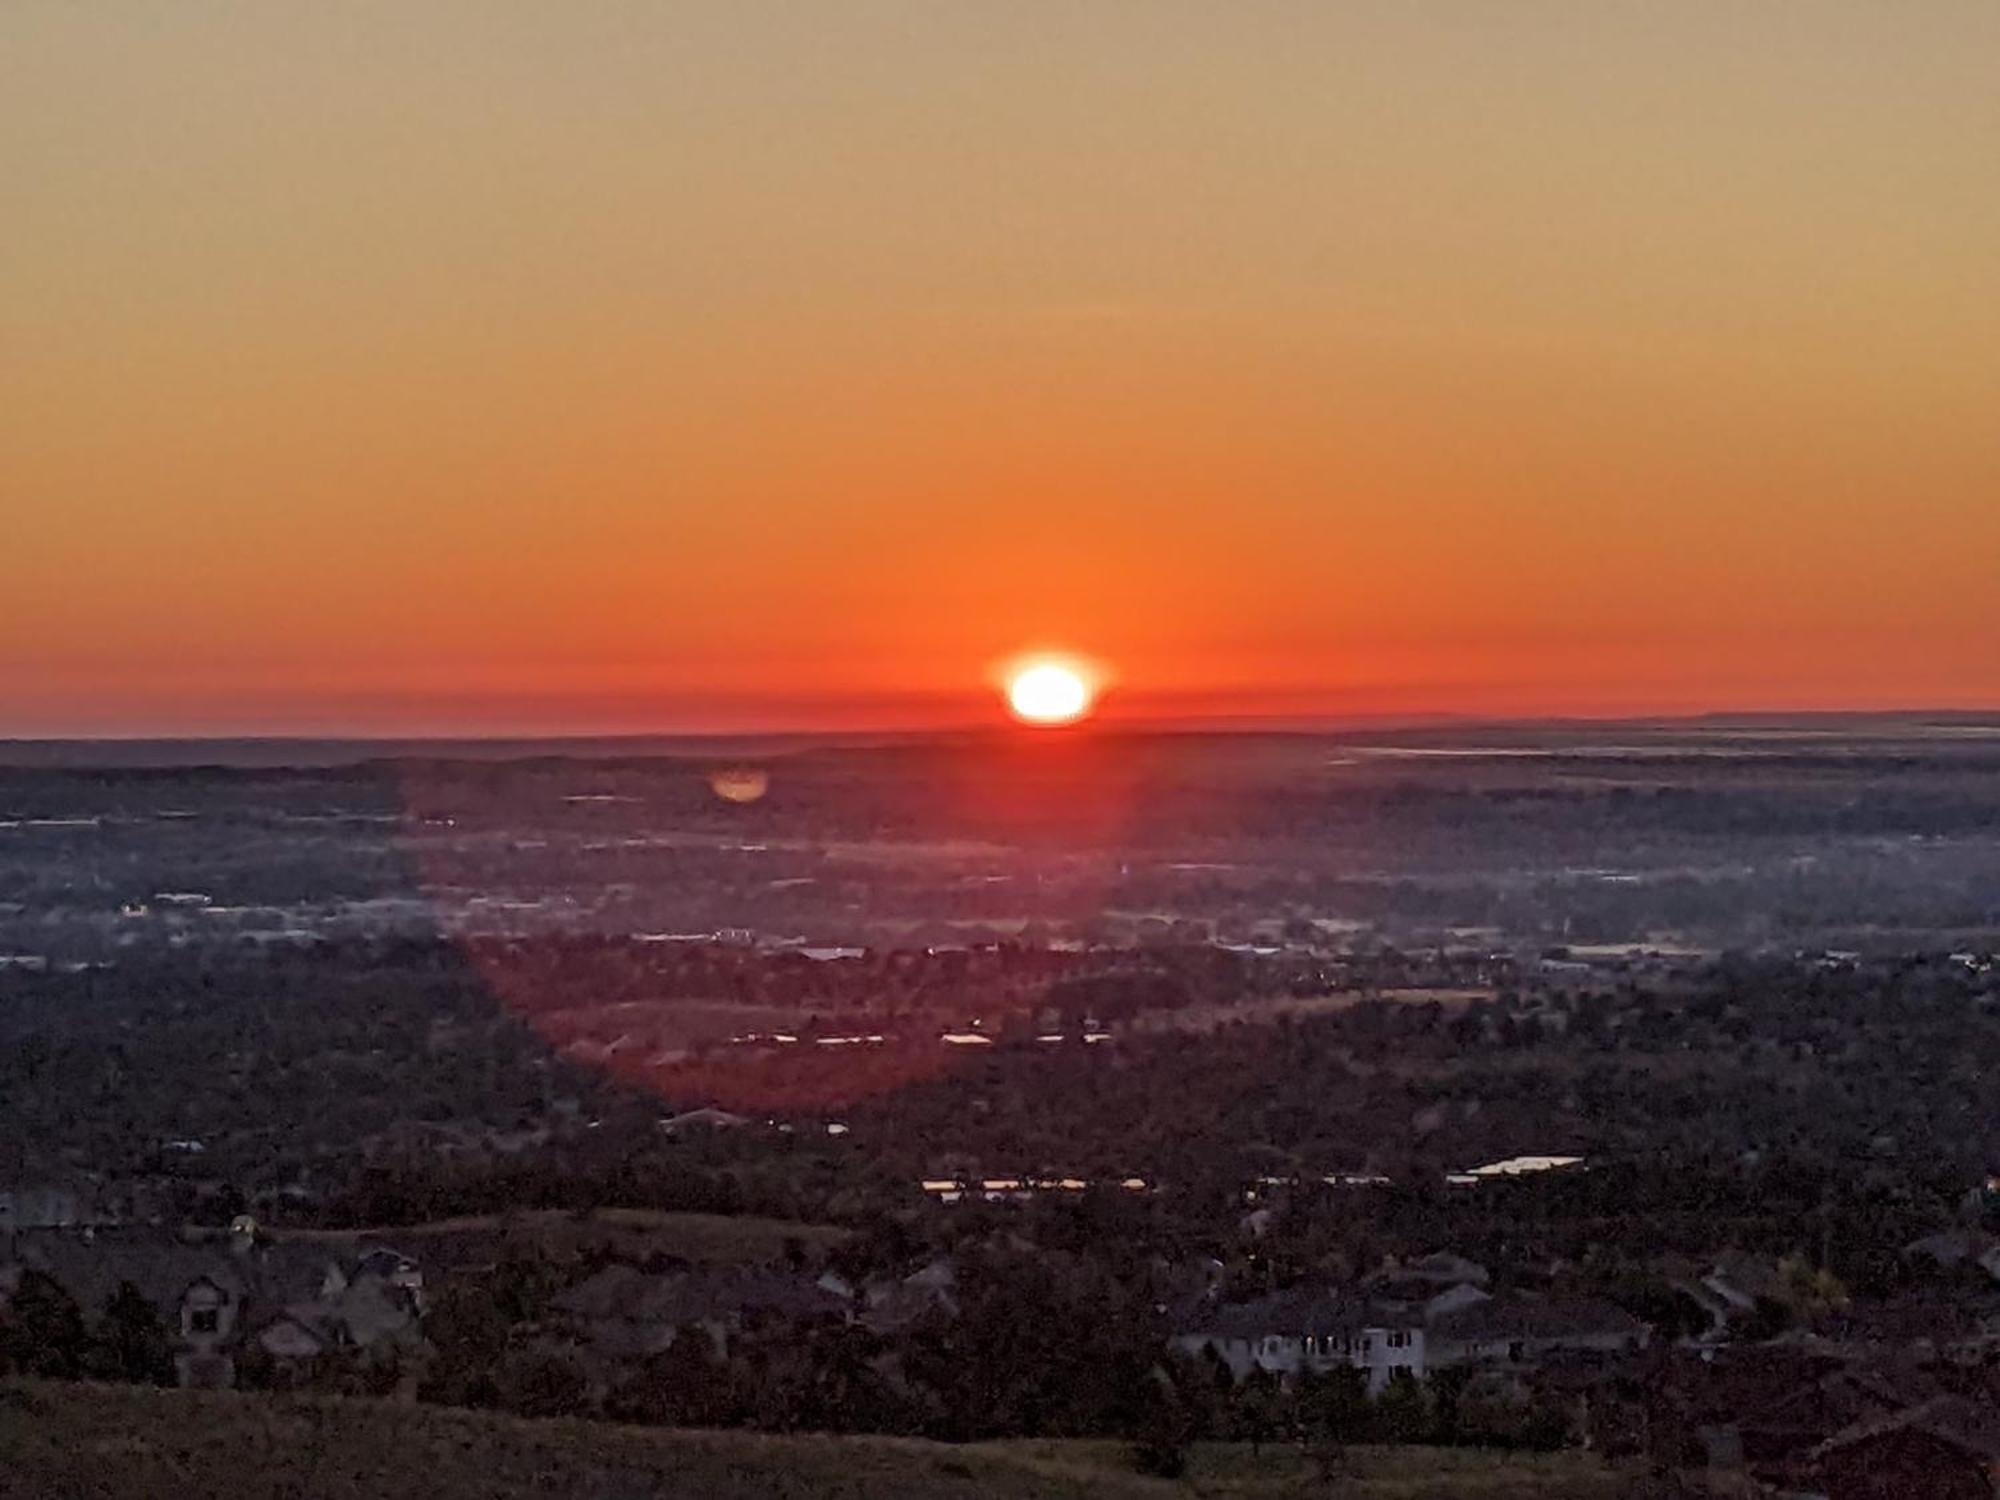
(124,1443)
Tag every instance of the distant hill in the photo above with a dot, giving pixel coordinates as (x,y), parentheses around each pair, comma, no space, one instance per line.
(124,1443)
(633,1233)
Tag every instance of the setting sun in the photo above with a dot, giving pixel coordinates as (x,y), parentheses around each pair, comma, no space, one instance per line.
(1049,693)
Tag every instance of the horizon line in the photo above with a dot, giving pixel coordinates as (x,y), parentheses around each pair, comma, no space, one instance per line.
(1225,724)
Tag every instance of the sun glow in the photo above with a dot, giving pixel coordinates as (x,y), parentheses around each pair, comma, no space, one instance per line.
(1049,692)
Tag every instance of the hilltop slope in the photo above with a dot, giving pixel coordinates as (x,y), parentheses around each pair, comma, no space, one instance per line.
(124,1443)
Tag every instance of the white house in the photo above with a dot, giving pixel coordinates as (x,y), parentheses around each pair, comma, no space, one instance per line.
(1297,1332)
(48,1205)
(1302,1331)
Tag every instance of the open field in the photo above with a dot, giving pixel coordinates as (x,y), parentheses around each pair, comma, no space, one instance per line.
(125,1443)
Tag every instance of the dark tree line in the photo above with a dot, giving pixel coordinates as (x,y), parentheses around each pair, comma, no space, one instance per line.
(43,1332)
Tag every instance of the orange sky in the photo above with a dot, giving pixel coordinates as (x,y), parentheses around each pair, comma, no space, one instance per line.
(494,366)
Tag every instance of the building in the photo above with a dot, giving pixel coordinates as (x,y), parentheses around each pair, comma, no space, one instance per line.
(1302,1331)
(221,1299)
(49,1205)
(1288,1334)
(1946,1449)
(1426,1277)
(622,1313)
(1514,1330)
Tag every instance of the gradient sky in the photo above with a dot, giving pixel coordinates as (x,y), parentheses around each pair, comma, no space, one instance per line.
(447,367)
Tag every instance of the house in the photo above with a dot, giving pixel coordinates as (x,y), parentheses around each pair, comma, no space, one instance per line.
(707,1118)
(1518,1330)
(208,1311)
(1740,1280)
(622,1313)
(1425,1277)
(1304,1331)
(398,1275)
(197,1290)
(1959,1247)
(48,1205)
(1717,1308)
(295,1344)
(1777,1435)
(371,1313)
(1963,1327)
(894,1305)
(1300,1331)
(1762,1411)
(1513,1166)
(220,1299)
(1441,1268)
(1945,1449)
(1453,1298)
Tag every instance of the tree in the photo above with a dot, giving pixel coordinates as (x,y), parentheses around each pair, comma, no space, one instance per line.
(1256,1409)
(1768,1318)
(1335,1405)
(1166,1428)
(1335,1411)
(468,1328)
(43,1333)
(1446,1386)
(687,1384)
(843,1390)
(1401,1413)
(131,1343)
(1671,1312)
(543,1383)
(1041,1347)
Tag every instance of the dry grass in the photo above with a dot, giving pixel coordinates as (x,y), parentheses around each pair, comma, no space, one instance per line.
(1235,1471)
(121,1443)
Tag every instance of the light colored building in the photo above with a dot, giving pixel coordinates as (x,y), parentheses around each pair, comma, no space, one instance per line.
(1299,1332)
(48,1205)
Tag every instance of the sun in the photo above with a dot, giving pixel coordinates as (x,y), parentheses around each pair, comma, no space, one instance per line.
(1049,692)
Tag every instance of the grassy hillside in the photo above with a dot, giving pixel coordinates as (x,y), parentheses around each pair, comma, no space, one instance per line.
(121,1443)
